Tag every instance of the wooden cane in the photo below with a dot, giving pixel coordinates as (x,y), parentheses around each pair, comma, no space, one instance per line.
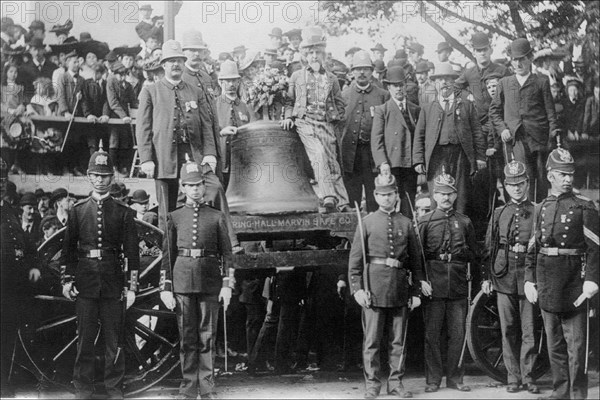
(77,97)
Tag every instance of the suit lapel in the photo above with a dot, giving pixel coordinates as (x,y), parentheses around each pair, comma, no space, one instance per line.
(396,113)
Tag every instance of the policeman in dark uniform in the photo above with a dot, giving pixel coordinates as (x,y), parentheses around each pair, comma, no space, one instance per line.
(449,245)
(562,273)
(100,253)
(18,257)
(381,287)
(504,268)
(196,267)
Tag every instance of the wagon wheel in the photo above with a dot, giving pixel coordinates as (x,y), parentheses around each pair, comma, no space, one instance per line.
(49,335)
(485,339)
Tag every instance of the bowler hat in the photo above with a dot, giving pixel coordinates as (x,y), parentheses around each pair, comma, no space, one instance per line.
(480,40)
(192,39)
(85,36)
(37,25)
(65,28)
(293,32)
(379,66)
(520,48)
(57,194)
(443,46)
(400,54)
(444,69)
(313,36)
(444,183)
(171,49)
(395,75)
(276,32)
(379,47)
(140,196)
(515,173)
(422,66)
(361,59)
(385,184)
(229,70)
(28,199)
(394,63)
(416,47)
(560,160)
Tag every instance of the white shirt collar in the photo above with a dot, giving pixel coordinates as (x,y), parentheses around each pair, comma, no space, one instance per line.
(522,79)
(401,104)
(37,64)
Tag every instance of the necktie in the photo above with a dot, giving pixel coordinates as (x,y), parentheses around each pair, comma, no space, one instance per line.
(446,105)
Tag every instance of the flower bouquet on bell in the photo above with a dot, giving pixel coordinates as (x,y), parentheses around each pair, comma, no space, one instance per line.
(266,93)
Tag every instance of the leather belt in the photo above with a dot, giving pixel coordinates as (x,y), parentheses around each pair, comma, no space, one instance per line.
(390,262)
(97,253)
(197,253)
(517,248)
(555,251)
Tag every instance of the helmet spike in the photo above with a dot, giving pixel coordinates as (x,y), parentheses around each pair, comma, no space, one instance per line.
(100,147)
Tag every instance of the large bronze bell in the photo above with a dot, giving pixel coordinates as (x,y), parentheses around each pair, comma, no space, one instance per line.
(268,175)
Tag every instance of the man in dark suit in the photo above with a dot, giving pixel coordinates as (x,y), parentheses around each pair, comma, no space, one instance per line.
(448,136)
(94,103)
(381,287)
(39,66)
(524,117)
(17,257)
(100,253)
(561,273)
(196,74)
(30,219)
(198,271)
(361,97)
(392,137)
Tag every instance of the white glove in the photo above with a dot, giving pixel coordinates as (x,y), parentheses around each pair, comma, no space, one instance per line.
(414,303)
(531,292)
(228,130)
(167,298)
(130,298)
(225,295)
(148,168)
(362,298)
(34,275)
(211,161)
(426,288)
(486,287)
(589,290)
(70,291)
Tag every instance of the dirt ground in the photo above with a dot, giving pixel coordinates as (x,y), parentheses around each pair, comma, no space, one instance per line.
(328,385)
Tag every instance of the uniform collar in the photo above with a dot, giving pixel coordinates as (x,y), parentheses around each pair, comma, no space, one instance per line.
(448,213)
(388,213)
(171,84)
(99,198)
(366,89)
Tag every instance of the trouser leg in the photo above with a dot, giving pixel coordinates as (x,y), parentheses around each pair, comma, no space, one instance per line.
(396,325)
(456,315)
(266,337)
(208,307)
(434,311)
(529,341)
(508,312)
(188,320)
(87,327)
(111,311)
(574,328)
(255,315)
(373,322)
(558,354)
(288,325)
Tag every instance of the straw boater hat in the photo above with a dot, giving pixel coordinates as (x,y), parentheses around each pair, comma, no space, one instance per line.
(444,69)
